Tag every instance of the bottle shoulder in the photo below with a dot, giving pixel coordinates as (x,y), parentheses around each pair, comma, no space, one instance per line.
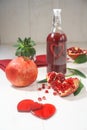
(57,36)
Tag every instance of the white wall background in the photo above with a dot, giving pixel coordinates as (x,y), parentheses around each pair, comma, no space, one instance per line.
(33,18)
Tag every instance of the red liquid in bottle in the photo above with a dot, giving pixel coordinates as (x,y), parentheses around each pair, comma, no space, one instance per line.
(56,45)
(56,52)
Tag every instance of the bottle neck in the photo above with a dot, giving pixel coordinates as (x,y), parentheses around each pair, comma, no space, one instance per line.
(56,21)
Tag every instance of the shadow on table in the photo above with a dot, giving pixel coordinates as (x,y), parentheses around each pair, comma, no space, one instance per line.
(32,87)
(81,95)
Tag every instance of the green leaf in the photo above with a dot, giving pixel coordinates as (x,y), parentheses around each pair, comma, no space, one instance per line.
(19,40)
(18,52)
(79,89)
(32,51)
(81,59)
(76,72)
(42,81)
(25,47)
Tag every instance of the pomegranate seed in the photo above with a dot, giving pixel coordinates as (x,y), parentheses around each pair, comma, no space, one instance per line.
(46,91)
(43,86)
(39,99)
(44,98)
(39,89)
(48,87)
(55,93)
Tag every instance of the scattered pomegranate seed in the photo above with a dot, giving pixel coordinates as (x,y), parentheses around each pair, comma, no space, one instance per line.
(43,86)
(46,91)
(39,99)
(48,87)
(39,89)
(44,98)
(55,93)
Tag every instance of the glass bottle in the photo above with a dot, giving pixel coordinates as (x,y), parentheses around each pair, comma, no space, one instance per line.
(56,45)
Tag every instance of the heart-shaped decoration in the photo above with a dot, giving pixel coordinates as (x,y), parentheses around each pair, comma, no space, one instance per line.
(40,110)
(45,112)
(28,105)
(25,105)
(57,49)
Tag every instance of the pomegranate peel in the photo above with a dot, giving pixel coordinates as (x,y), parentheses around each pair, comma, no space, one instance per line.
(21,72)
(53,76)
(66,88)
(70,90)
(61,85)
(74,52)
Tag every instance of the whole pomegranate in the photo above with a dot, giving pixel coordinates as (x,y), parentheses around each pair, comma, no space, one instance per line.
(21,72)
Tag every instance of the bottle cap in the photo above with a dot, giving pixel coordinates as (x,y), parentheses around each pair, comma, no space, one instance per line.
(57,12)
(57,16)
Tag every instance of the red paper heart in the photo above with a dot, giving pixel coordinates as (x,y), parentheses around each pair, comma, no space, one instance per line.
(45,112)
(59,47)
(25,105)
(36,106)
(28,105)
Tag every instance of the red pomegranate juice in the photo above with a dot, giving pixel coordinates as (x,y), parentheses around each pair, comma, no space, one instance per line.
(56,52)
(56,45)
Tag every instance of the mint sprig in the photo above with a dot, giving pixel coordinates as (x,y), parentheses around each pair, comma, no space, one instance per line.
(25,47)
